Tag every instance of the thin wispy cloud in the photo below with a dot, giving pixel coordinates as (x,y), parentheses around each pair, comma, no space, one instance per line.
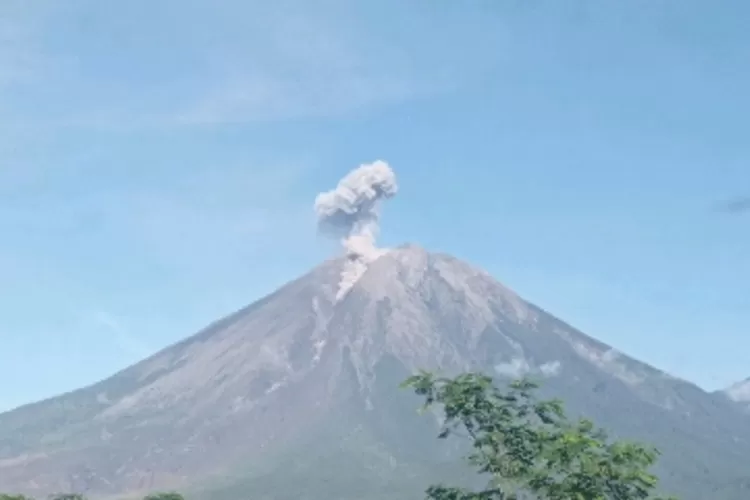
(735,206)
(215,220)
(204,220)
(233,64)
(22,60)
(16,59)
(113,329)
(262,97)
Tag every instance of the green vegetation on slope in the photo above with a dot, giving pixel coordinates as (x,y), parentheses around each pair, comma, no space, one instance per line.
(170,495)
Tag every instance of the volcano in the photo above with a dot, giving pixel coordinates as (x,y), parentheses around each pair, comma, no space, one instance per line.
(296,396)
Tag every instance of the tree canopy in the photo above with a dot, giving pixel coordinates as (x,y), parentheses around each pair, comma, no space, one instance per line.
(166,495)
(529,447)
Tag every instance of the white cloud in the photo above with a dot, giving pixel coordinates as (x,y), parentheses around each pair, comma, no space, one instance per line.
(519,367)
(551,368)
(609,360)
(516,367)
(739,392)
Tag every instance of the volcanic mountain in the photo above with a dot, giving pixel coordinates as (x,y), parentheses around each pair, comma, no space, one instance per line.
(296,396)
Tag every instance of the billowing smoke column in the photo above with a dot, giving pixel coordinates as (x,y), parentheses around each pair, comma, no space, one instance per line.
(351,212)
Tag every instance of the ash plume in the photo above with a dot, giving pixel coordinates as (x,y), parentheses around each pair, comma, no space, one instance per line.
(351,212)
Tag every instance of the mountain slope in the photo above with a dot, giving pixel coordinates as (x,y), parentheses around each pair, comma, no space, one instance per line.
(295,396)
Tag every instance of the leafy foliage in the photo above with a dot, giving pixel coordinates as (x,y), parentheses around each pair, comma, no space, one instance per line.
(5,496)
(171,495)
(167,495)
(529,448)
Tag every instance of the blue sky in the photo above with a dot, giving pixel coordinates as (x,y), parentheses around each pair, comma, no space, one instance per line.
(159,160)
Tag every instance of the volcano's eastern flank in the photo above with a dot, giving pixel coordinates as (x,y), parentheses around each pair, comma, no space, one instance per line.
(296,396)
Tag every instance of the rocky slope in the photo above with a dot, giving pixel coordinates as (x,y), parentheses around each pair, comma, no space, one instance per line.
(296,396)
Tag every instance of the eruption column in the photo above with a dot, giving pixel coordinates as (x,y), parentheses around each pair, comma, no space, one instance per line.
(350,212)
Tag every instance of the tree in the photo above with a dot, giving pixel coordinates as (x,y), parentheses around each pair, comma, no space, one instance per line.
(67,496)
(529,448)
(167,495)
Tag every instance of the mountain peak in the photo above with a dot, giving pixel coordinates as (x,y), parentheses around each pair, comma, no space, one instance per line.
(410,273)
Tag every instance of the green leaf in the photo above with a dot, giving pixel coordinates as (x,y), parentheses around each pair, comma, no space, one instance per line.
(530,447)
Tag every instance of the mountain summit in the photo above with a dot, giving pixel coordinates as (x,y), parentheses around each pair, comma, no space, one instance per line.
(296,395)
